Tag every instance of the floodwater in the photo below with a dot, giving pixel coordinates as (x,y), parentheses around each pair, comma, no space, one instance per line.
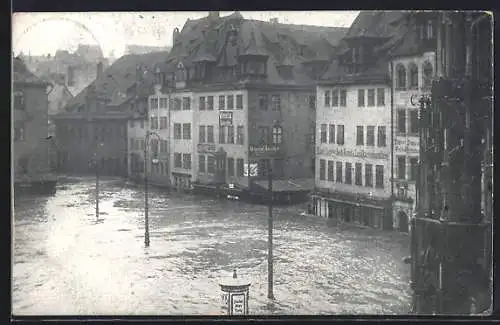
(66,263)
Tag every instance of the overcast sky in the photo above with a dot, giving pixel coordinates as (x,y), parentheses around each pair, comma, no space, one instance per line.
(44,33)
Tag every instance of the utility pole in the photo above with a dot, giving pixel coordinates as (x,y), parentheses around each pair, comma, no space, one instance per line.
(146,208)
(270,293)
(96,190)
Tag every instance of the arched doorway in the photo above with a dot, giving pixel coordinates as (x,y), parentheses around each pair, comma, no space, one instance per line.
(403,221)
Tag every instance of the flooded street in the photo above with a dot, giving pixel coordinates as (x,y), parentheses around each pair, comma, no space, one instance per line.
(64,262)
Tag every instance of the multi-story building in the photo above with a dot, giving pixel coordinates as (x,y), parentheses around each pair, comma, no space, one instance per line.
(31,143)
(353,121)
(93,129)
(243,101)
(413,66)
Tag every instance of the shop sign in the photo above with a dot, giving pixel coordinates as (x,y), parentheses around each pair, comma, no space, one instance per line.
(206,147)
(238,304)
(353,153)
(264,149)
(250,170)
(406,145)
(225,118)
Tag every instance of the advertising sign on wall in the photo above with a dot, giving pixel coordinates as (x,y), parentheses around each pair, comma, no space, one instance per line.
(225,118)
(353,153)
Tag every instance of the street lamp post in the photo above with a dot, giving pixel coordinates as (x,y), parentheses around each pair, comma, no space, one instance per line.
(96,165)
(146,199)
(270,293)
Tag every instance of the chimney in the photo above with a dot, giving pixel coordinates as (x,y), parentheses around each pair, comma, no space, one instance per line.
(99,70)
(273,20)
(214,14)
(175,35)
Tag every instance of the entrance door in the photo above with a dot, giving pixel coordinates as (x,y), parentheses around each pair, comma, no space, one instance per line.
(330,210)
(403,221)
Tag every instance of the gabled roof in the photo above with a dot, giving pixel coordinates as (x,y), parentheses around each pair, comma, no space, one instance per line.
(119,77)
(21,74)
(378,25)
(206,38)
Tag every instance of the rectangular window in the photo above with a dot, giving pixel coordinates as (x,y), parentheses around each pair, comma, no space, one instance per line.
(358,176)
(164,102)
(323,133)
(202,106)
(178,160)
(132,142)
(154,123)
(186,131)
(154,103)
(381,138)
(240,165)
(222,102)
(327,98)
(210,103)
(263,102)
(19,102)
(186,103)
(279,167)
(177,104)
(312,102)
(230,102)
(401,121)
(186,161)
(343,98)
(330,171)
(401,167)
(335,98)
(264,135)
(230,167)
(264,165)
(322,167)
(230,134)
(414,121)
(276,102)
(239,101)
(177,131)
(340,134)
(361,97)
(380,97)
(201,138)
(360,136)
(370,135)
(222,134)
(371,97)
(240,136)
(210,134)
(19,133)
(163,122)
(368,175)
(277,134)
(331,133)
(348,173)
(379,176)
(211,164)
(338,175)
(413,169)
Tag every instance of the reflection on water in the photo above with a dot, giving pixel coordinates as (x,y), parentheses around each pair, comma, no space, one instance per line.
(66,263)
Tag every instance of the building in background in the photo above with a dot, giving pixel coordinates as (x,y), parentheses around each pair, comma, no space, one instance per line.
(93,127)
(413,66)
(31,145)
(144,49)
(353,123)
(243,96)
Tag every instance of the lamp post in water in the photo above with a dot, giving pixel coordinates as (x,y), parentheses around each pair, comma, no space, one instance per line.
(270,293)
(146,207)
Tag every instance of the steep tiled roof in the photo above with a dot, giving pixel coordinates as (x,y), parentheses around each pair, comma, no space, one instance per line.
(368,24)
(23,75)
(119,78)
(206,37)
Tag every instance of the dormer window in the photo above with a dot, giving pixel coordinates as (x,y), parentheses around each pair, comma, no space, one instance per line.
(181,72)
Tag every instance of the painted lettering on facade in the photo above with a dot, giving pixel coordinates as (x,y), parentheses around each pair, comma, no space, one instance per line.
(264,149)
(406,145)
(206,147)
(353,153)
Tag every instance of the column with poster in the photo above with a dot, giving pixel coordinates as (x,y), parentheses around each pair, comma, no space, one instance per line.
(235,293)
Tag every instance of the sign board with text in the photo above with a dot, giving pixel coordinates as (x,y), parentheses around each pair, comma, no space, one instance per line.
(225,118)
(238,304)
(206,147)
(264,149)
(343,152)
(250,170)
(406,145)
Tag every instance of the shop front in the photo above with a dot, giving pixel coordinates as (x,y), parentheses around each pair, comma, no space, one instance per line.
(361,212)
